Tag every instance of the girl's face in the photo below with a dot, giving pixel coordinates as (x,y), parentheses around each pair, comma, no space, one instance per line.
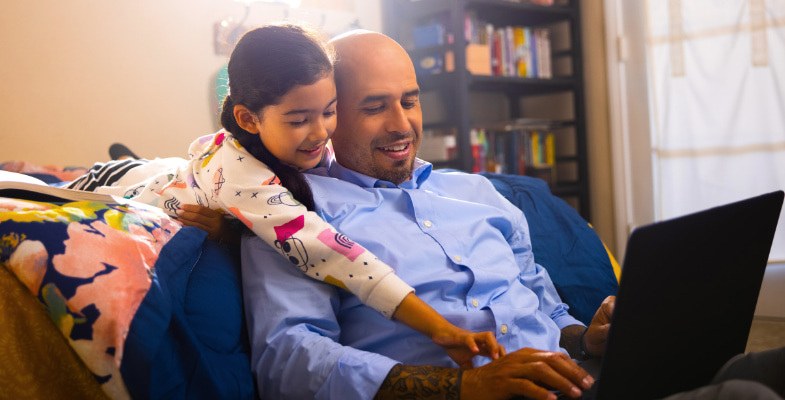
(297,129)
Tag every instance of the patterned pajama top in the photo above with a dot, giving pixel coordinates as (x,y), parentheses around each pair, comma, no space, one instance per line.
(223,176)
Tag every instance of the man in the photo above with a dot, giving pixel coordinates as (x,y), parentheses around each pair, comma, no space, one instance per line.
(463,248)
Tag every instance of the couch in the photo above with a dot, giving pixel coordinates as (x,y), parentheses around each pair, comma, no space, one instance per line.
(114,301)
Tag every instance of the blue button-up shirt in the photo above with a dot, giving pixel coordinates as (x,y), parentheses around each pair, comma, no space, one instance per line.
(463,247)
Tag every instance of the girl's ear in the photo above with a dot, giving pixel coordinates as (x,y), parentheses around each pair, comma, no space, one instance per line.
(246,119)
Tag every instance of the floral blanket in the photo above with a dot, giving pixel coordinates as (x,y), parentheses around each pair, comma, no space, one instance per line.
(91,266)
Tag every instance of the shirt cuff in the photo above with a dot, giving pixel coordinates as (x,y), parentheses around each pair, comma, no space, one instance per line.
(564,321)
(388,294)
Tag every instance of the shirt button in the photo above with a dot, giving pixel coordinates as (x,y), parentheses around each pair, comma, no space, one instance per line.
(457,258)
(427,224)
(475,302)
(504,329)
(384,186)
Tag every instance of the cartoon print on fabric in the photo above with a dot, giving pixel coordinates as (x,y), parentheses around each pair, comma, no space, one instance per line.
(272,181)
(341,244)
(284,198)
(133,192)
(177,182)
(218,182)
(172,205)
(291,247)
(210,152)
(199,195)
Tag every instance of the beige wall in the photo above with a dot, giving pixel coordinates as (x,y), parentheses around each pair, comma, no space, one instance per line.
(79,75)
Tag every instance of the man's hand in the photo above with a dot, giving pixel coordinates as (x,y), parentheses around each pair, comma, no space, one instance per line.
(526,372)
(208,220)
(597,334)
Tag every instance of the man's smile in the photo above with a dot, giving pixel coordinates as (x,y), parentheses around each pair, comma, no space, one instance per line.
(398,151)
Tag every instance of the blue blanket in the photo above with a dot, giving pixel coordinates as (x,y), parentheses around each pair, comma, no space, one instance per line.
(188,339)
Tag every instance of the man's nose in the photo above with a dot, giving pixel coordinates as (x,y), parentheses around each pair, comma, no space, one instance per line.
(397,120)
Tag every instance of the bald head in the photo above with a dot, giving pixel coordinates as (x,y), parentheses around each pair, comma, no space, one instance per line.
(379,117)
(359,50)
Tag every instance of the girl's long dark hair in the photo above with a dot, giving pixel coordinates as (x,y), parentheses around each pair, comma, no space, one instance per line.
(266,63)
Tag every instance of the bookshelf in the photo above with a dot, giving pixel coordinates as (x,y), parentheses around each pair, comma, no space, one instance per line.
(456,87)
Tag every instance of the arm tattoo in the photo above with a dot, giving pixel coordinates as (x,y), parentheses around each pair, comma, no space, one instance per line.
(421,382)
(570,337)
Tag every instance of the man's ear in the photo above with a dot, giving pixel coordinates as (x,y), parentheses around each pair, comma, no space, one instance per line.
(246,119)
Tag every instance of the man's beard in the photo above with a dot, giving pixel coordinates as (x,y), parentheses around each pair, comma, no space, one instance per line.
(401,171)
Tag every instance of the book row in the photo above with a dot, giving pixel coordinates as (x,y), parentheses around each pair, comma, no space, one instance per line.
(519,152)
(501,51)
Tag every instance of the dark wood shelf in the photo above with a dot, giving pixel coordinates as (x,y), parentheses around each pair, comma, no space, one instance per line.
(497,10)
(448,164)
(508,84)
(566,189)
(455,88)
(438,125)
(561,53)
(425,51)
(521,86)
(561,159)
(510,13)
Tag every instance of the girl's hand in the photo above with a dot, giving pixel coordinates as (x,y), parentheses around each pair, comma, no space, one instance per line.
(208,220)
(462,345)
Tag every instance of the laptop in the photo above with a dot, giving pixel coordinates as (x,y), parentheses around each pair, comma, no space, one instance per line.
(686,298)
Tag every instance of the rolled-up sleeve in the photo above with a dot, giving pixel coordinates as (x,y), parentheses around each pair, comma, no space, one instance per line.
(294,334)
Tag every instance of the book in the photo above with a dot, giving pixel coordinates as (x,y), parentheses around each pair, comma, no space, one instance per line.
(478,59)
(550,149)
(428,35)
(50,194)
(534,54)
(496,54)
(519,41)
(429,64)
(527,38)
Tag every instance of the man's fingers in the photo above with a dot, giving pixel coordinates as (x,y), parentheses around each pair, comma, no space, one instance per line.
(569,369)
(530,389)
(607,306)
(545,374)
(566,372)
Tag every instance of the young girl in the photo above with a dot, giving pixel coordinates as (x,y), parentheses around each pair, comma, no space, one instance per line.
(277,120)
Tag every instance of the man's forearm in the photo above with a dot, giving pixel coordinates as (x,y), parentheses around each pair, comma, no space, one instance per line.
(421,382)
(570,340)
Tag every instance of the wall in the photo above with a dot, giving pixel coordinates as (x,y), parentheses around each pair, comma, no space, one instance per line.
(79,75)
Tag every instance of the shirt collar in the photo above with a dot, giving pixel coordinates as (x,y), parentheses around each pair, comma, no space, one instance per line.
(422,170)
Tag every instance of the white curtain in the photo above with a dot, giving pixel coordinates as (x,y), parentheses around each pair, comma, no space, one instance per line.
(717,79)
